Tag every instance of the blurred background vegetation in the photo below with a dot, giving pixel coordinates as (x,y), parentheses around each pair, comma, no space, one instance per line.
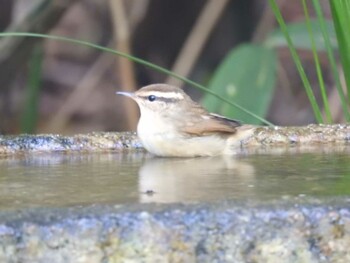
(233,47)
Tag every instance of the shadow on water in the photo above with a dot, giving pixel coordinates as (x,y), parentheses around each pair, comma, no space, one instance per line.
(60,180)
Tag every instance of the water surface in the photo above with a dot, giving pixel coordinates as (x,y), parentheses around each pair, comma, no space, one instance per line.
(59,180)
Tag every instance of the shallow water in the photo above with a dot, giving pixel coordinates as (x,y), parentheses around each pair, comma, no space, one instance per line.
(59,180)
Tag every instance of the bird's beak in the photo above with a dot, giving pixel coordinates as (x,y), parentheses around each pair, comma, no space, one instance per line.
(128,94)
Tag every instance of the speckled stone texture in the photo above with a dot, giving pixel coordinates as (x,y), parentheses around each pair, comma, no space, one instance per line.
(92,142)
(284,231)
(307,138)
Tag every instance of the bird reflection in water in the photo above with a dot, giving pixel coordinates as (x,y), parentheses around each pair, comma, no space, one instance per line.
(194,179)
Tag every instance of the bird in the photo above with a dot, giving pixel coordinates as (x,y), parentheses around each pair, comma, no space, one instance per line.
(171,124)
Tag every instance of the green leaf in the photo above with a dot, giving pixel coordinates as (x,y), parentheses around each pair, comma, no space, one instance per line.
(247,76)
(300,36)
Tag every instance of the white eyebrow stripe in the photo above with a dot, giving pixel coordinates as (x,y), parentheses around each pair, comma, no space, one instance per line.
(166,95)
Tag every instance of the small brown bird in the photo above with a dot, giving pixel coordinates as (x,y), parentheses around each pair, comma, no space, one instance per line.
(172,124)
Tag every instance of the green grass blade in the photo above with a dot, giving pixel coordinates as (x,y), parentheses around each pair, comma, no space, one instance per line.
(331,57)
(341,17)
(135,59)
(297,61)
(317,64)
(30,112)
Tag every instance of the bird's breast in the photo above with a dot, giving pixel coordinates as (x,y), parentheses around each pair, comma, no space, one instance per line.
(161,137)
(168,142)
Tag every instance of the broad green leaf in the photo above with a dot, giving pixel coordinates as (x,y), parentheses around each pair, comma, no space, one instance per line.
(246,76)
(300,36)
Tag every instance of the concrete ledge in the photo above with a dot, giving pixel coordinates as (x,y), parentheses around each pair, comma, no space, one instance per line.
(284,231)
(306,137)
(92,142)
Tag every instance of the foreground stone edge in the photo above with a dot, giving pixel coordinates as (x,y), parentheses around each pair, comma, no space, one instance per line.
(317,231)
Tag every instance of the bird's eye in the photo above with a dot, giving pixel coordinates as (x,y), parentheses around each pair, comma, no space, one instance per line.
(151,98)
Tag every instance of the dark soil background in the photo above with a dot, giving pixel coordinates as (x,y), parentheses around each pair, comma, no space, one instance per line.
(78,84)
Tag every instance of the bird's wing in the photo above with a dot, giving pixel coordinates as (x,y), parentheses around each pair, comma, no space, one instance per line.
(208,123)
